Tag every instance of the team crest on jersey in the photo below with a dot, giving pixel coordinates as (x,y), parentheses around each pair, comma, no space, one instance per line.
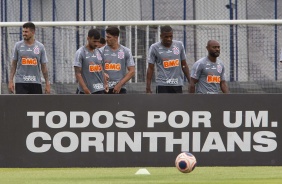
(175,50)
(120,54)
(219,68)
(36,50)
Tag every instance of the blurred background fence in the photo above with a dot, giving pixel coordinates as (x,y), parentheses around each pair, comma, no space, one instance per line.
(250,52)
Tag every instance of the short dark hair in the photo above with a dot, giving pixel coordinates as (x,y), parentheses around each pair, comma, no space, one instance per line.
(94,33)
(102,40)
(165,29)
(29,25)
(112,31)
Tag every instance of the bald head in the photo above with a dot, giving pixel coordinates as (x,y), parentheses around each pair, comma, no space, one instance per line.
(213,48)
(212,42)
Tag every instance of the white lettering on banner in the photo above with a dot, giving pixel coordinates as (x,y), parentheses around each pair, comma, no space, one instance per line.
(97,142)
(63,119)
(130,139)
(134,145)
(263,137)
(35,118)
(238,119)
(197,117)
(57,142)
(30,142)
(264,141)
(244,144)
(213,142)
(201,117)
(125,119)
(261,120)
(73,119)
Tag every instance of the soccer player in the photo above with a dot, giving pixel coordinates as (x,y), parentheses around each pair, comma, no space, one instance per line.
(208,73)
(88,66)
(119,63)
(170,59)
(102,42)
(29,57)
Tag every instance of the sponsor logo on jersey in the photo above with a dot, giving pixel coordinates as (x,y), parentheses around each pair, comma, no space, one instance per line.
(29,61)
(95,68)
(171,63)
(219,68)
(112,83)
(36,50)
(169,51)
(121,55)
(172,81)
(213,79)
(29,78)
(28,49)
(112,66)
(176,50)
(98,86)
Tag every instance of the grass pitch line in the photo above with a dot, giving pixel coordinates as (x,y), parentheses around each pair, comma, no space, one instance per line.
(143,171)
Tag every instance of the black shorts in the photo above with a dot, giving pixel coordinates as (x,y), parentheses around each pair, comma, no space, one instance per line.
(97,92)
(168,89)
(122,91)
(28,88)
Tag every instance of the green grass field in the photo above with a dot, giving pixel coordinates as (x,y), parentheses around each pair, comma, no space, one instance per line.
(211,175)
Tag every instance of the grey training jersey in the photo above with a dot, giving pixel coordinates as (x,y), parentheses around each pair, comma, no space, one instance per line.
(29,60)
(116,63)
(91,69)
(209,75)
(168,62)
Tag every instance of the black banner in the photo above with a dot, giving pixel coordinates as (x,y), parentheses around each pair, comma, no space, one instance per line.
(139,130)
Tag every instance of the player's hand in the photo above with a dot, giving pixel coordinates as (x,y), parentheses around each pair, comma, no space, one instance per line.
(106,88)
(117,88)
(47,88)
(11,87)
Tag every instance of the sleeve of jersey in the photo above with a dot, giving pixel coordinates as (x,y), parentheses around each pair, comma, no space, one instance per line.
(196,70)
(183,54)
(15,53)
(43,55)
(151,56)
(130,60)
(78,58)
(222,77)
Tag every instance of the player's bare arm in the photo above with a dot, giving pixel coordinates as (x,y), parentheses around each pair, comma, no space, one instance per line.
(12,74)
(78,71)
(150,71)
(106,82)
(185,70)
(224,87)
(45,75)
(192,85)
(127,77)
